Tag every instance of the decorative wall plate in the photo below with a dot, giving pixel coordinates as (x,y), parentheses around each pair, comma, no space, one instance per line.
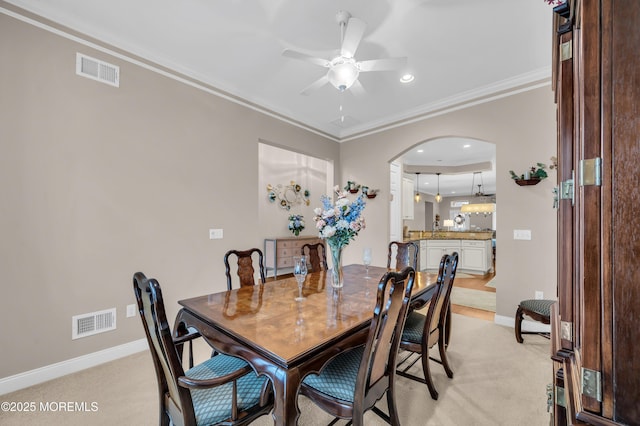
(288,195)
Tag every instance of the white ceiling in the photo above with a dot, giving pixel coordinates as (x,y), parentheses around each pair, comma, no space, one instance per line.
(463,163)
(458,50)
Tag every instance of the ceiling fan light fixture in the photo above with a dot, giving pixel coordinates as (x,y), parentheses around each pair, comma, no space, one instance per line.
(343,72)
(344,69)
(407,78)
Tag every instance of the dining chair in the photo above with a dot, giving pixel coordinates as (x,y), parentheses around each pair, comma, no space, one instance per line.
(246,271)
(223,389)
(406,255)
(421,332)
(353,381)
(317,255)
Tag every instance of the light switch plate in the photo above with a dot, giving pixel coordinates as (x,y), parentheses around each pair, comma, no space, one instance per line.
(131,311)
(521,234)
(215,234)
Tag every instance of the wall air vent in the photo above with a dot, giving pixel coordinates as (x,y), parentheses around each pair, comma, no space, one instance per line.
(97,70)
(93,323)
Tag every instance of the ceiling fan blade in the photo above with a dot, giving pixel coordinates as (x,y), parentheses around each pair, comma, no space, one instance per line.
(315,85)
(352,37)
(304,57)
(357,89)
(388,64)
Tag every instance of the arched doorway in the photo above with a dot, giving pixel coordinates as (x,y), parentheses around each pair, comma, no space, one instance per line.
(462,171)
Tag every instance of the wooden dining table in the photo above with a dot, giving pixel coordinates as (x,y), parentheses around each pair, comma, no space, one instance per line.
(285,339)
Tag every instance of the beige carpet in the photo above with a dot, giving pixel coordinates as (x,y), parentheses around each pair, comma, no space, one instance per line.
(497,382)
(485,300)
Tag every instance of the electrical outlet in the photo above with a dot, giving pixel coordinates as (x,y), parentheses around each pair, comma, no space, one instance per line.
(539,295)
(131,311)
(215,234)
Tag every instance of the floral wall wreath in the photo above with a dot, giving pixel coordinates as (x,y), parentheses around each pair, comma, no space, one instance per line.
(289,195)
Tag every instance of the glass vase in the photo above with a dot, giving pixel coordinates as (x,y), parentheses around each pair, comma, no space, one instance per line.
(337,280)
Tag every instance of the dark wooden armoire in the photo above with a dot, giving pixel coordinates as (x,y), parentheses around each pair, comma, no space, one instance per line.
(596,322)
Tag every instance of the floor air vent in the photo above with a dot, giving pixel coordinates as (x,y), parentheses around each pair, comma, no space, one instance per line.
(95,69)
(93,323)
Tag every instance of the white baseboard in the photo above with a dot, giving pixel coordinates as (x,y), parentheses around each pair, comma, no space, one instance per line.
(59,369)
(527,325)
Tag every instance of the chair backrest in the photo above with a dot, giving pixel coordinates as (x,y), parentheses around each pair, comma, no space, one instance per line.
(163,351)
(245,266)
(317,255)
(377,369)
(406,255)
(437,311)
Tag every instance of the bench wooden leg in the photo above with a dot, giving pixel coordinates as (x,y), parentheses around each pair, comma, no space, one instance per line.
(518,327)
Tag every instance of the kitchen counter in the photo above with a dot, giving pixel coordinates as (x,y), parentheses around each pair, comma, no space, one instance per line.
(448,235)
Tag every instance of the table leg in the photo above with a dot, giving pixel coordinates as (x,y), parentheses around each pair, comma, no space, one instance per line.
(285,404)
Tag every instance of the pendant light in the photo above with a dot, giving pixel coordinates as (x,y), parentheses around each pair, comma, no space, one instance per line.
(417,196)
(438,196)
(478,208)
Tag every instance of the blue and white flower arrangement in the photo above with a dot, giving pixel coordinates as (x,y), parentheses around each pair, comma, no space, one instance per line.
(296,224)
(339,223)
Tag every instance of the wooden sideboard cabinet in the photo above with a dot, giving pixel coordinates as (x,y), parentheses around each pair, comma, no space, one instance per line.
(279,252)
(595,332)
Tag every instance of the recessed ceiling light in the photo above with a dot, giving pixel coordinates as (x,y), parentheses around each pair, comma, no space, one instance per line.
(407,78)
(420,151)
(466,146)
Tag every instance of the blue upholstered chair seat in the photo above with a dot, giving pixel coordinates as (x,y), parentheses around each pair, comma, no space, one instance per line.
(414,327)
(214,404)
(338,378)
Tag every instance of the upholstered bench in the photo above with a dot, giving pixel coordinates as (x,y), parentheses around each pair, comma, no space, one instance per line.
(537,309)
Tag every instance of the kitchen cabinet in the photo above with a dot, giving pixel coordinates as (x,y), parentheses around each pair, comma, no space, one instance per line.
(422,256)
(407,198)
(475,255)
(438,248)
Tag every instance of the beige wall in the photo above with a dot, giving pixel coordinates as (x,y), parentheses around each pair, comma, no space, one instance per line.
(523,128)
(99,182)
(279,167)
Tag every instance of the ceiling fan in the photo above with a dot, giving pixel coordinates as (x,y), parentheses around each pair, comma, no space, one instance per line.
(344,69)
(480,186)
